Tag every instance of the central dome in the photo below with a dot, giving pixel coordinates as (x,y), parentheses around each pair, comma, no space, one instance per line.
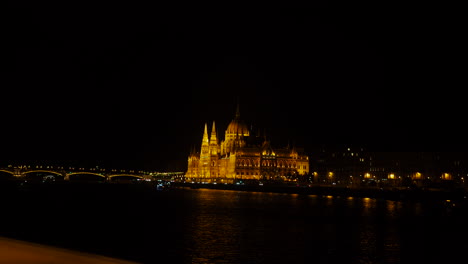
(237,127)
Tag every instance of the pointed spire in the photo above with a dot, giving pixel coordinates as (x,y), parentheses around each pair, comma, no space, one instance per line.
(205,147)
(205,134)
(213,138)
(214,147)
(237,110)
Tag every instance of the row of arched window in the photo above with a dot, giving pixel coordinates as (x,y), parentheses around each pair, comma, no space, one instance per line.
(266,163)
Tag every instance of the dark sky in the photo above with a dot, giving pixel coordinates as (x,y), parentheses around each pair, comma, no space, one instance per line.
(134,86)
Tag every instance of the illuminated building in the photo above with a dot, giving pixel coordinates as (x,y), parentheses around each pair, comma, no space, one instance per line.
(243,157)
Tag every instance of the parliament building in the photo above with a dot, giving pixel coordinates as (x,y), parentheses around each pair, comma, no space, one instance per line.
(242,158)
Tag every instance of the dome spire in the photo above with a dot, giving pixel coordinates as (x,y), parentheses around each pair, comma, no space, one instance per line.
(237,127)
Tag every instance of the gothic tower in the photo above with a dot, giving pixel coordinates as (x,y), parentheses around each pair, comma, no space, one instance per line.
(214,147)
(204,165)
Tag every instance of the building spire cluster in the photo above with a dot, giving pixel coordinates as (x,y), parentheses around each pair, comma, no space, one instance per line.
(242,157)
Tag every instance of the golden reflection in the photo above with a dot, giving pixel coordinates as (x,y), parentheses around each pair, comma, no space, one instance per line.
(392,208)
(214,229)
(375,241)
(351,200)
(368,204)
(368,242)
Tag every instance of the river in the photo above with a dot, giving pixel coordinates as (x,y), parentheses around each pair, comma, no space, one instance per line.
(141,224)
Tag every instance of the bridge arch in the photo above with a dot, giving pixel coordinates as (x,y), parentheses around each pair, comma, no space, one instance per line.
(6,174)
(7,171)
(42,175)
(124,177)
(85,175)
(45,171)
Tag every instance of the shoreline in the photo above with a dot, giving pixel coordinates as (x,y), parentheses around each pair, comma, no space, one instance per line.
(396,194)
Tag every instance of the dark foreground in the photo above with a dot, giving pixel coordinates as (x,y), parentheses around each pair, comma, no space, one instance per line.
(79,219)
(21,252)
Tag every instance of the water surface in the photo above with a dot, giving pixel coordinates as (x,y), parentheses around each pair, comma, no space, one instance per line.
(226,226)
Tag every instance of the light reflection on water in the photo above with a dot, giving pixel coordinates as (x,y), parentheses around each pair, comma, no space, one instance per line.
(242,227)
(249,227)
(221,226)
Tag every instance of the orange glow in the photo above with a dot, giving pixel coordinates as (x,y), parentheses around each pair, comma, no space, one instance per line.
(446,176)
(417,176)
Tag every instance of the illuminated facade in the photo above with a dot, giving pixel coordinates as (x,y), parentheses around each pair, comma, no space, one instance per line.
(243,157)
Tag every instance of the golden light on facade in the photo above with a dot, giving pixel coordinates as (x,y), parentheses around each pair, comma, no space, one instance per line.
(330,174)
(266,153)
(367,175)
(446,176)
(391,176)
(417,176)
(241,156)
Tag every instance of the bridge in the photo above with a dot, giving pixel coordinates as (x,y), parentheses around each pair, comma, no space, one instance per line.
(52,173)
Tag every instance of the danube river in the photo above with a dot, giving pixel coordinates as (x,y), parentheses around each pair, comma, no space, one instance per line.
(137,223)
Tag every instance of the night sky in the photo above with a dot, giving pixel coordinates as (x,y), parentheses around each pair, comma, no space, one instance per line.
(133,87)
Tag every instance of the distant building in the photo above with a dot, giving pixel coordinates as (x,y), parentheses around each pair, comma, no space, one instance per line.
(355,166)
(243,157)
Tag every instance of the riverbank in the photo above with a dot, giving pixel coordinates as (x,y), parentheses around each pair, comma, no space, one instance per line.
(415,194)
